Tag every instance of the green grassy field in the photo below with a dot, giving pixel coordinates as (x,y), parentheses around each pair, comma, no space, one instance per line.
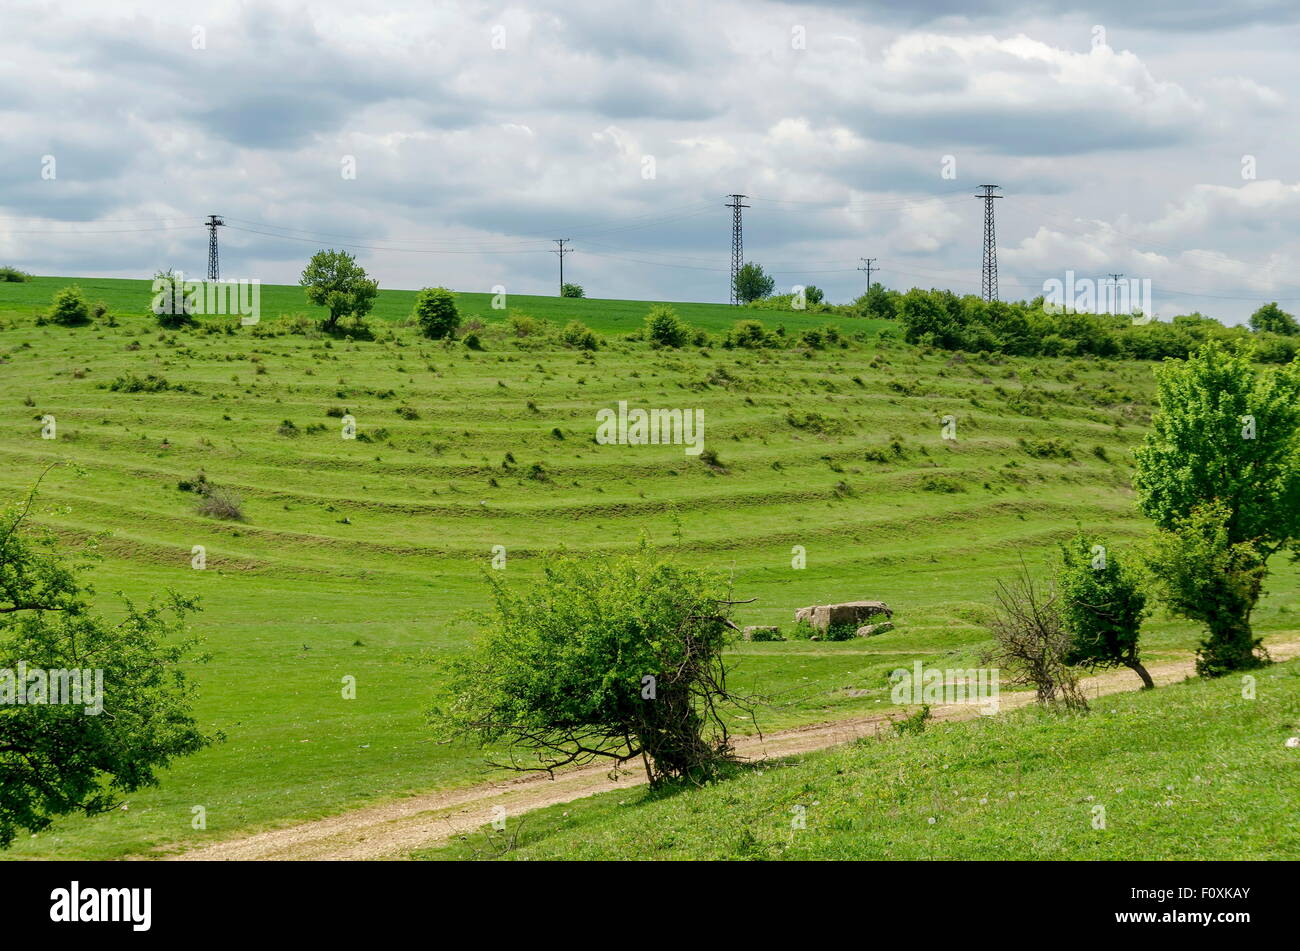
(1192,771)
(366,557)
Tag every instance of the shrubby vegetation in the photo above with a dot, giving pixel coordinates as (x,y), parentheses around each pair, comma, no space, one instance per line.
(942,319)
(69,308)
(619,660)
(435,313)
(56,758)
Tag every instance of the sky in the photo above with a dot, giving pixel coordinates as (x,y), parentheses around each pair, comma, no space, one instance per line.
(450,143)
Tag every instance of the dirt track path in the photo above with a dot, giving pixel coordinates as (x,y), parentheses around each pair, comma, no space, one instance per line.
(392,829)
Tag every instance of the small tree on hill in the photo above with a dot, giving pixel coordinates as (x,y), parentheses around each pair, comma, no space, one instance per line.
(618,661)
(334,280)
(572,290)
(435,312)
(812,294)
(753,283)
(1102,606)
(58,758)
(1272,318)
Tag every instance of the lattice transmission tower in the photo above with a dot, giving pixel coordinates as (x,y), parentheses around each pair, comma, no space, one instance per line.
(989,276)
(737,243)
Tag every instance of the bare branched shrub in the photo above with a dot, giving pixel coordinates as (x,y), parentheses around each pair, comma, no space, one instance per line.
(221,503)
(1030,642)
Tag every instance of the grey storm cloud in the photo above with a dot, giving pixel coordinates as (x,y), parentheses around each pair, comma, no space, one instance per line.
(480,130)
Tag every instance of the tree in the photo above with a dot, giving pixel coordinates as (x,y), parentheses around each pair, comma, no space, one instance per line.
(664,328)
(334,280)
(1272,318)
(1225,446)
(572,290)
(1205,576)
(752,283)
(435,312)
(171,305)
(1030,642)
(812,294)
(1102,606)
(63,757)
(618,661)
(70,308)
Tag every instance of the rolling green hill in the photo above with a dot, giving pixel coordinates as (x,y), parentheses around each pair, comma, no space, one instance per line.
(365,557)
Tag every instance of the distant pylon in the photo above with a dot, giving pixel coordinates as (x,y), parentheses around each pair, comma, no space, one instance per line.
(737,244)
(989,277)
(214,268)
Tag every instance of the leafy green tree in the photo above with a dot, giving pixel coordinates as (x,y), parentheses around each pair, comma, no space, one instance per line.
(435,313)
(878,302)
(572,290)
(616,660)
(334,279)
(1226,436)
(753,283)
(70,308)
(1272,318)
(62,758)
(1102,606)
(812,294)
(664,328)
(1205,576)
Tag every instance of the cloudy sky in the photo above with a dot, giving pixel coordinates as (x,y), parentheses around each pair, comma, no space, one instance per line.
(450,142)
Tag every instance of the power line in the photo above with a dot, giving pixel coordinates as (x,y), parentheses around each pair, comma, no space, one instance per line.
(989,274)
(737,244)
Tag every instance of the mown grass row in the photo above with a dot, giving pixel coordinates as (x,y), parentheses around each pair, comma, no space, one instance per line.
(366,558)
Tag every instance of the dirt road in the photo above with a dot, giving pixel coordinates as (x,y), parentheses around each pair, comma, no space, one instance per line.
(393,829)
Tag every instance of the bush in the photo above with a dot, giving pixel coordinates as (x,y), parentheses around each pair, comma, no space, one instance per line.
(522,325)
(70,308)
(579,336)
(13,275)
(130,383)
(217,502)
(435,313)
(170,304)
(664,328)
(617,660)
(572,290)
(748,334)
(473,342)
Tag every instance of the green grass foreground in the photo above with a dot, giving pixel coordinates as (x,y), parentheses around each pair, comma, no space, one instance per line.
(365,558)
(1189,771)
